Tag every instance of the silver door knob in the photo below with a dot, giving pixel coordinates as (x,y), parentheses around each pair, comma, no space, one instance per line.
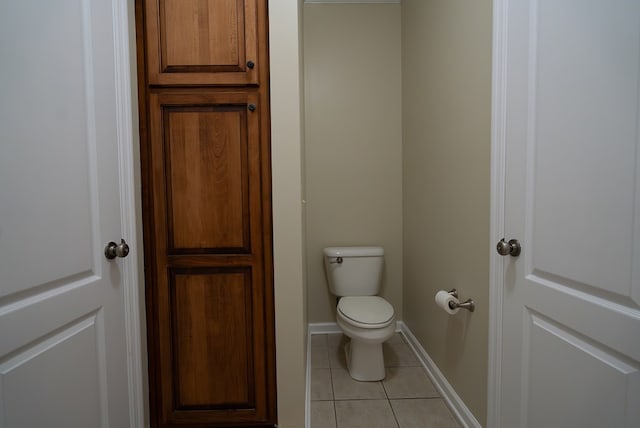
(113,250)
(511,248)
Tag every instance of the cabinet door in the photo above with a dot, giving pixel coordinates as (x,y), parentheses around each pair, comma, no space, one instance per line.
(212,356)
(203,42)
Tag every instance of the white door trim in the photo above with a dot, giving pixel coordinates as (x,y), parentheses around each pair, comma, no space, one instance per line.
(497,222)
(126,135)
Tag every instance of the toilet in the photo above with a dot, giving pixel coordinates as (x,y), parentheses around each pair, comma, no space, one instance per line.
(354,275)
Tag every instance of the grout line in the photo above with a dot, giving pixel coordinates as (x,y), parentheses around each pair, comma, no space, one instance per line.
(393,412)
(386,394)
(387,399)
(364,399)
(359,399)
(333,389)
(390,406)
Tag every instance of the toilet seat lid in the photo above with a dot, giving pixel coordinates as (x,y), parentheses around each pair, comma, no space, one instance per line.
(372,311)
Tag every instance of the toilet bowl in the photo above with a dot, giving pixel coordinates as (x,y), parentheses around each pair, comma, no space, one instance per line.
(354,274)
(368,327)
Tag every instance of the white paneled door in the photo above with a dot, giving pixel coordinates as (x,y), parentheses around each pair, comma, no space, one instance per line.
(567,116)
(63,346)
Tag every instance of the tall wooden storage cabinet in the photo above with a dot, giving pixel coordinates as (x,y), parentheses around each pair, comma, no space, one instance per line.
(205,153)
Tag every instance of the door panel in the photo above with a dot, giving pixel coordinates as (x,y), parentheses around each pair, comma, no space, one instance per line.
(213,328)
(207,189)
(571,313)
(584,98)
(45,126)
(213,39)
(202,42)
(36,373)
(567,373)
(209,145)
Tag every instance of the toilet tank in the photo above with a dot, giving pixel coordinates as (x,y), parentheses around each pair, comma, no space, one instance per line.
(354,271)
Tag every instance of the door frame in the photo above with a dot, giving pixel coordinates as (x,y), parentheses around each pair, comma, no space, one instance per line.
(497,203)
(127,141)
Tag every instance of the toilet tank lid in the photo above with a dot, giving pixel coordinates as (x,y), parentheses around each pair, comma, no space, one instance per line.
(354,251)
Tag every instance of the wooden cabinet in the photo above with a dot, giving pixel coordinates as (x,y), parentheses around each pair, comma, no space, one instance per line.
(204,42)
(205,156)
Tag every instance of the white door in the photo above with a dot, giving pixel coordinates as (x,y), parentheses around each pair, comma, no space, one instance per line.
(63,356)
(568,113)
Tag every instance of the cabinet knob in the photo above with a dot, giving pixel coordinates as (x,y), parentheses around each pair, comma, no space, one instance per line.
(251,107)
(250,64)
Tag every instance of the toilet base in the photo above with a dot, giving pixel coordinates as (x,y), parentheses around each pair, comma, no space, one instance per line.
(365,361)
(364,351)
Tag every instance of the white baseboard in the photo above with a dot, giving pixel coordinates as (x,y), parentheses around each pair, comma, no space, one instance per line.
(323,328)
(307,391)
(453,400)
(332,328)
(449,395)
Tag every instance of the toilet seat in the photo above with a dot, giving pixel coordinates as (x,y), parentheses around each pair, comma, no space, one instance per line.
(366,311)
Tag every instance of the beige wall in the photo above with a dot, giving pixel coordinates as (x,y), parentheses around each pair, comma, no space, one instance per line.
(352,141)
(446,164)
(286,131)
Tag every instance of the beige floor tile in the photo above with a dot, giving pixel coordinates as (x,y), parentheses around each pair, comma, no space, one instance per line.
(321,386)
(318,340)
(399,354)
(319,357)
(337,358)
(336,339)
(364,414)
(408,382)
(323,414)
(346,388)
(396,338)
(423,413)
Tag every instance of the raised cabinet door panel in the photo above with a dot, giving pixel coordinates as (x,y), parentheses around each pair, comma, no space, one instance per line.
(207,167)
(211,316)
(203,42)
(211,357)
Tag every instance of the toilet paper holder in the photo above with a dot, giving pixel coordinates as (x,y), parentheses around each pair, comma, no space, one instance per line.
(468,304)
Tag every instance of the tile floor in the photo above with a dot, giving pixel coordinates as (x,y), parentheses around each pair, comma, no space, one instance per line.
(406,398)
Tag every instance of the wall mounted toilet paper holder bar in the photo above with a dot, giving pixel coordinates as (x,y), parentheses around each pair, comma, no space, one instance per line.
(468,304)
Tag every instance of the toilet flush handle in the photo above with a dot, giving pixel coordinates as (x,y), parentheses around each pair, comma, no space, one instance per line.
(337,260)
